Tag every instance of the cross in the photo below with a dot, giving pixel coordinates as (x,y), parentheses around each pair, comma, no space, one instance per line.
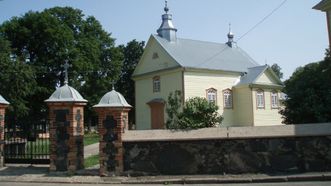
(166,9)
(66,66)
(113,84)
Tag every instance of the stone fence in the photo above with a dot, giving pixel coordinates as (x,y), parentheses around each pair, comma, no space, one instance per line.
(231,150)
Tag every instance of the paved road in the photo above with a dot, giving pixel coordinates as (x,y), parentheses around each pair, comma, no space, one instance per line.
(317,183)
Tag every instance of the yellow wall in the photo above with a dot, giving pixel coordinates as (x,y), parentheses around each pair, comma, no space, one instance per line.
(266,116)
(148,64)
(170,81)
(243,115)
(266,78)
(196,84)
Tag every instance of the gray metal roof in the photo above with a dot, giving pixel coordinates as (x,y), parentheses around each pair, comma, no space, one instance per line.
(207,55)
(66,94)
(112,99)
(252,74)
(3,101)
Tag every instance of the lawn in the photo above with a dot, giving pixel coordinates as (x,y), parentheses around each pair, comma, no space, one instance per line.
(91,161)
(91,138)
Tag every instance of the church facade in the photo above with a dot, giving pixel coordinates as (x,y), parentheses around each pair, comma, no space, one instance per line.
(246,93)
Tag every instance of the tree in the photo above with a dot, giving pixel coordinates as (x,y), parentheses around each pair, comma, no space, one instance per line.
(309,94)
(17,81)
(44,40)
(277,70)
(196,113)
(132,53)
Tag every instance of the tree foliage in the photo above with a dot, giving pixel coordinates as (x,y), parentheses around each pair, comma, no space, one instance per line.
(196,113)
(42,41)
(309,94)
(276,68)
(132,53)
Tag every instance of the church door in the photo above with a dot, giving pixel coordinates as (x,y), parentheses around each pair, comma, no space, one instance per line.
(157,114)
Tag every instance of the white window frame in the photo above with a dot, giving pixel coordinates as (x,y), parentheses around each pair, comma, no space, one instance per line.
(274,100)
(260,100)
(156,84)
(227,99)
(211,95)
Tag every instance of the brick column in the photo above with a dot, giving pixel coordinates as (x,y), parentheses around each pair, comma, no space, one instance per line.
(2,132)
(112,122)
(66,136)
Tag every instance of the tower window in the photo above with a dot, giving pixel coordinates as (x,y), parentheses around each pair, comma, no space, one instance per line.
(156,84)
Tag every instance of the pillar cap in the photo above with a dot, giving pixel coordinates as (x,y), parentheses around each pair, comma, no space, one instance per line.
(66,94)
(3,101)
(113,99)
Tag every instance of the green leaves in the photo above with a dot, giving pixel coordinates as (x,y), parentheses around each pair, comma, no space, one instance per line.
(309,94)
(196,113)
(42,41)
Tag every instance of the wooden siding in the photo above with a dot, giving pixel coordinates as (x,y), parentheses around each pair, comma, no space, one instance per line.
(244,109)
(268,115)
(266,78)
(154,58)
(170,81)
(196,84)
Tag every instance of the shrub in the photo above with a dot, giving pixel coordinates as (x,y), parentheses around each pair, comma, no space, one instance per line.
(196,113)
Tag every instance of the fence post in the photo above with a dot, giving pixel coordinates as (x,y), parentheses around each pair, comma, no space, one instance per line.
(113,119)
(66,120)
(3,106)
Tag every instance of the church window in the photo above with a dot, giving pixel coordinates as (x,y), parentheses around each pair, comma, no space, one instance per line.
(211,95)
(155,55)
(227,98)
(156,84)
(274,99)
(260,99)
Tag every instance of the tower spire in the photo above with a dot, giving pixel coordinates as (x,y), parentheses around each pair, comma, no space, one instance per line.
(166,9)
(167,29)
(230,42)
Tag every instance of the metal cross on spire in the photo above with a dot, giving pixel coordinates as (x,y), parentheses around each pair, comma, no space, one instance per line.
(113,84)
(166,9)
(66,66)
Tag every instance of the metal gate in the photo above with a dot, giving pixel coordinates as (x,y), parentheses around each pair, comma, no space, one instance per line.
(27,143)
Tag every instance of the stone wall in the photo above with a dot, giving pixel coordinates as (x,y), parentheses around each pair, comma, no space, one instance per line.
(244,153)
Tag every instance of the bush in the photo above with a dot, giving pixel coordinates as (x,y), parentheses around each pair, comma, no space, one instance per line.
(196,113)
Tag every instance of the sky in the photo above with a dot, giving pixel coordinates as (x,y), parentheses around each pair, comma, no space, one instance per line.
(292,36)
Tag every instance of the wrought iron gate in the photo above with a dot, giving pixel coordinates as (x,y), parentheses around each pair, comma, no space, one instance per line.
(27,143)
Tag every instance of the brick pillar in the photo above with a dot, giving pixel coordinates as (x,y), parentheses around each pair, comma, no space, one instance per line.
(112,122)
(66,136)
(2,132)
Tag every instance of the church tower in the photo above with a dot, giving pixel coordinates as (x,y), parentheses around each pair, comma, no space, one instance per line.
(167,29)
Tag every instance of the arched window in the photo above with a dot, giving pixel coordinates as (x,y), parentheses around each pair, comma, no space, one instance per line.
(156,84)
(260,99)
(227,98)
(211,95)
(274,99)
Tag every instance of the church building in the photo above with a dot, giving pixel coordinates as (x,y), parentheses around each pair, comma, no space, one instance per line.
(246,93)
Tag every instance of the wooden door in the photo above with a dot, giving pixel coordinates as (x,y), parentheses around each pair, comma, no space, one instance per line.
(157,115)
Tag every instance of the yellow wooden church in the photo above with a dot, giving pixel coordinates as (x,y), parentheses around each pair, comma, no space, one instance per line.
(247,93)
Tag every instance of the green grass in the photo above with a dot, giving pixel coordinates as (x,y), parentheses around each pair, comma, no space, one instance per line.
(91,161)
(91,138)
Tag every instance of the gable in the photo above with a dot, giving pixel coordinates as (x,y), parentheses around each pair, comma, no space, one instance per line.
(154,58)
(267,78)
